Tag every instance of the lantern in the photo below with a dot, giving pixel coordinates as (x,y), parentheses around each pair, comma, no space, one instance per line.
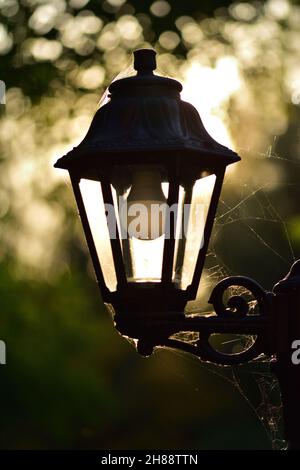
(147,179)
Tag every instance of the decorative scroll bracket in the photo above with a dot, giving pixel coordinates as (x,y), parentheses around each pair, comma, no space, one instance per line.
(237,316)
(272,317)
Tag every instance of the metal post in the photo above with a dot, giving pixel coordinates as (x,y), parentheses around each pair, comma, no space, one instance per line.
(286,331)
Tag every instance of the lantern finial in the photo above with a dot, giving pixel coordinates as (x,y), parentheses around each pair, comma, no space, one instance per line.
(144,61)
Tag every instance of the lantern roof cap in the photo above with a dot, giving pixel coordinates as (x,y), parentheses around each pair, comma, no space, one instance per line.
(145,64)
(144,60)
(145,114)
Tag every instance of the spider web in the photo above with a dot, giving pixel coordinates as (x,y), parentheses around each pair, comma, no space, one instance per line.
(265,400)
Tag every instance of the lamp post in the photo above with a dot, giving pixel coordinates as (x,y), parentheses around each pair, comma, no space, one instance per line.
(147,179)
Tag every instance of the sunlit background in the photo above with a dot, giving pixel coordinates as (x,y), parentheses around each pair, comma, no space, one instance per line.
(70,381)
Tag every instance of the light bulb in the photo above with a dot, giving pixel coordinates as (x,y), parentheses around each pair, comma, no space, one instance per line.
(146,204)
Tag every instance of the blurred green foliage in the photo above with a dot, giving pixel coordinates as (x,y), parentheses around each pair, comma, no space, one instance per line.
(70,380)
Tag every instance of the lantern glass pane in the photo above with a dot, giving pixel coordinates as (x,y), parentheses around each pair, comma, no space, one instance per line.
(194,201)
(146,259)
(96,213)
(139,194)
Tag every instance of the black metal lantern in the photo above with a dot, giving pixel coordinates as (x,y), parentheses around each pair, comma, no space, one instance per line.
(147,146)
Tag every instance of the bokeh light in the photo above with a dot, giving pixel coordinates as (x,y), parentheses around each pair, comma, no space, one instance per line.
(240,68)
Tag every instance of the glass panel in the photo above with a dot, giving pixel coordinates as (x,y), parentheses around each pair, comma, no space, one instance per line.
(180,240)
(146,257)
(194,200)
(95,210)
(140,194)
(119,198)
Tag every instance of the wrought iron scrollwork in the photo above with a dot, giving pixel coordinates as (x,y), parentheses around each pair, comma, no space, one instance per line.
(236,304)
(236,316)
(236,307)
